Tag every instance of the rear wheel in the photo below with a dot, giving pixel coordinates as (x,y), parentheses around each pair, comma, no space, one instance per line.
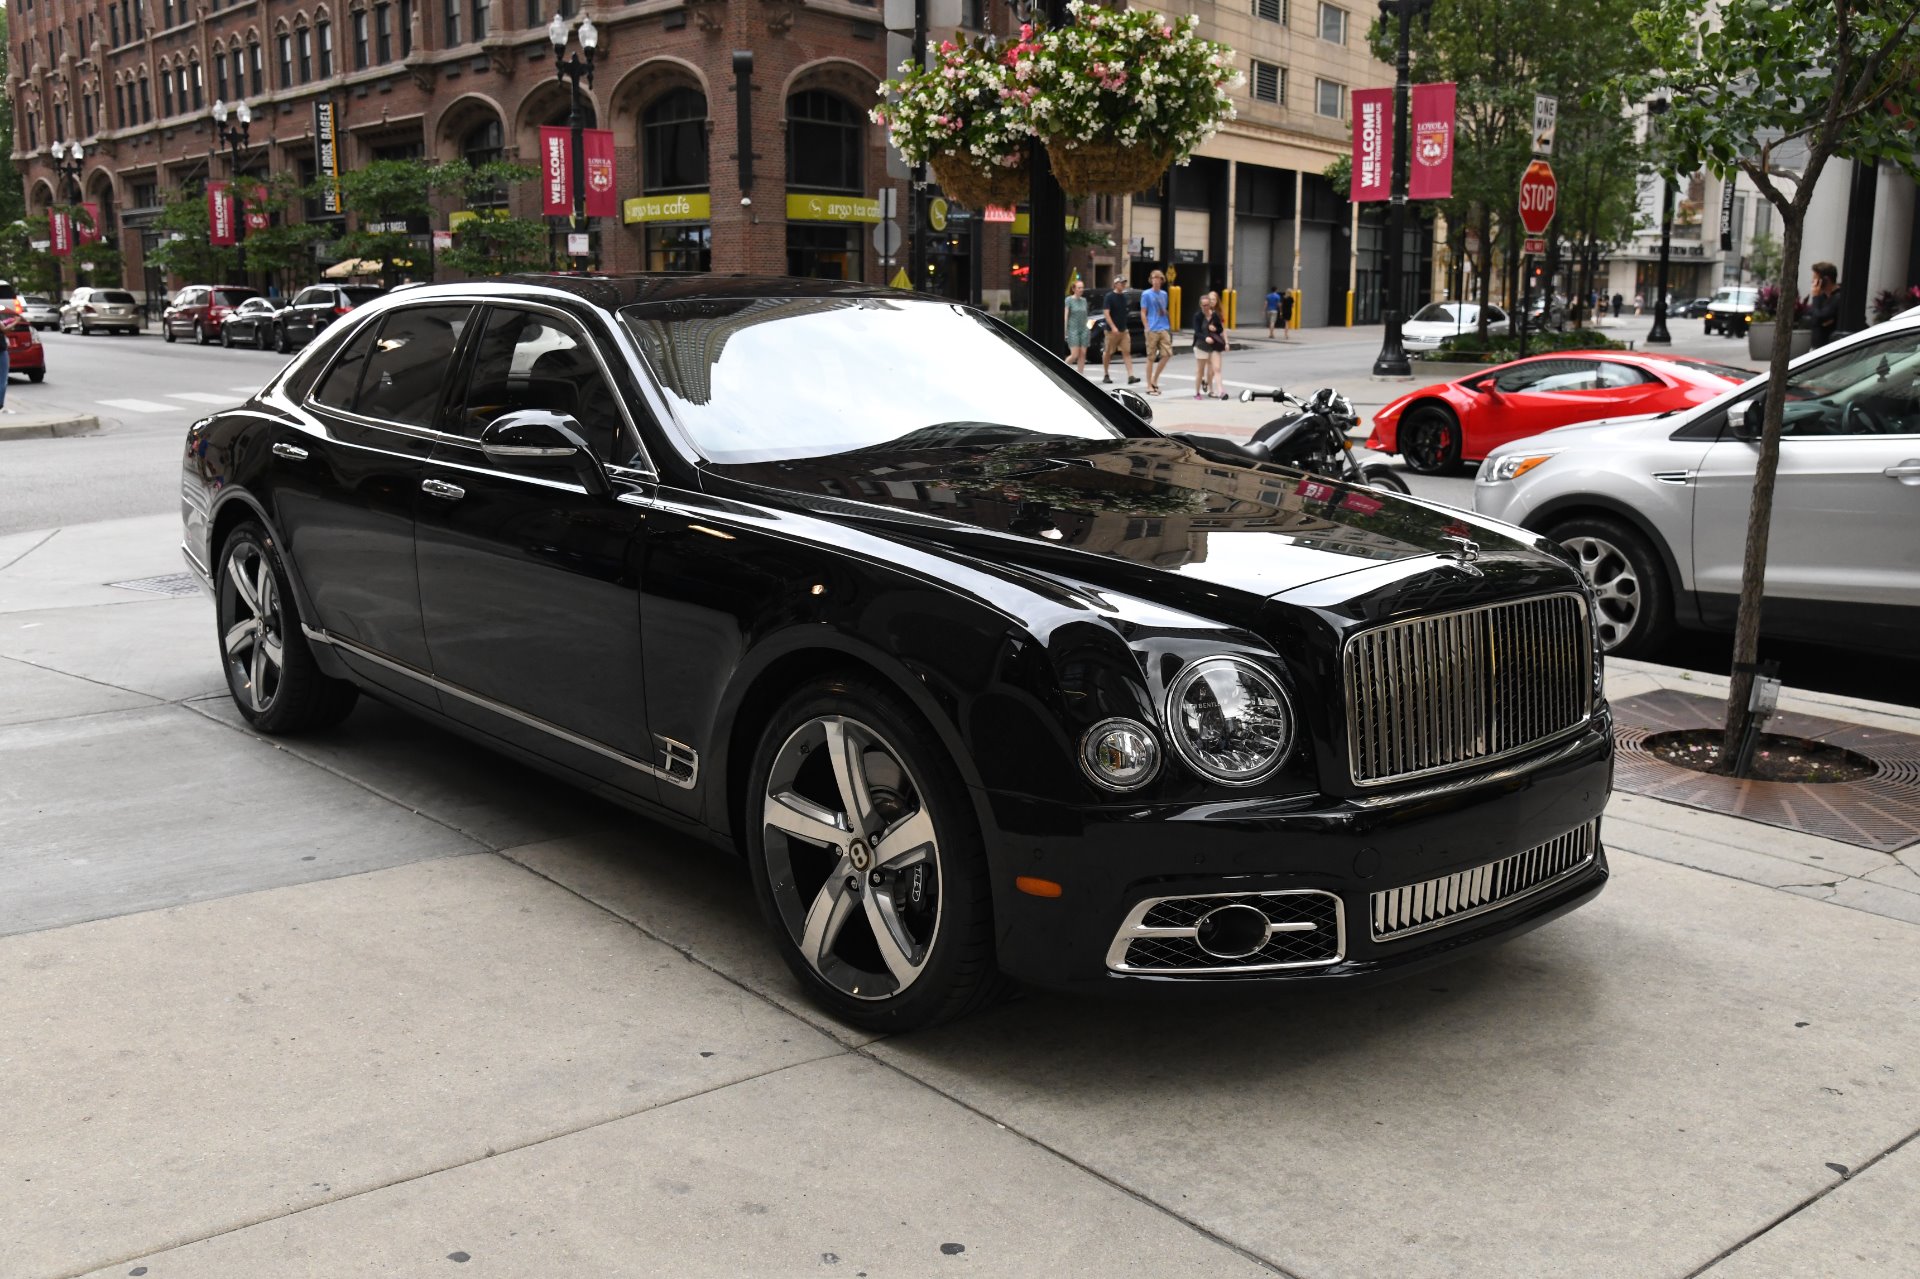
(1385,477)
(1430,440)
(281,343)
(1635,615)
(867,861)
(36,375)
(226,336)
(166,331)
(270,667)
(199,333)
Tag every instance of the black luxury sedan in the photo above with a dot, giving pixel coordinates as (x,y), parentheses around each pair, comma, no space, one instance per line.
(987,679)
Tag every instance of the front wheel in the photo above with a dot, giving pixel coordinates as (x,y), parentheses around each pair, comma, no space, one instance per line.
(1430,440)
(226,336)
(867,861)
(281,343)
(36,376)
(1635,613)
(270,668)
(1380,476)
(166,331)
(199,333)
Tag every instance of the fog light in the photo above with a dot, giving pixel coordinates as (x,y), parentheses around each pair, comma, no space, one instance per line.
(1120,754)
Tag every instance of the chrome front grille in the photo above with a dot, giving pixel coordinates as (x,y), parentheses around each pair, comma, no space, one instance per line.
(1164,935)
(1401,912)
(1442,692)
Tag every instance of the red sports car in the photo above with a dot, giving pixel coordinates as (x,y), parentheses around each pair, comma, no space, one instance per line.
(1438,427)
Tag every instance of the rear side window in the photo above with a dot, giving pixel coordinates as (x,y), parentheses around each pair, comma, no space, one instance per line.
(313,296)
(231,297)
(407,368)
(1616,376)
(342,383)
(360,295)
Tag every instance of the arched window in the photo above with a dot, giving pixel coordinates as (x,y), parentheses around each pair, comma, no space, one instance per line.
(237,59)
(220,93)
(486,144)
(359,39)
(825,136)
(199,85)
(257,68)
(323,36)
(305,38)
(284,43)
(146,98)
(564,117)
(166,93)
(673,142)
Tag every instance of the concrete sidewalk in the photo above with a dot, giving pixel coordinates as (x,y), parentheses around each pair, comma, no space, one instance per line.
(378,1002)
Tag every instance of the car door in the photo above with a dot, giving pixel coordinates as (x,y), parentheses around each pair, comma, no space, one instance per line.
(302,318)
(1533,396)
(529,582)
(1843,555)
(345,488)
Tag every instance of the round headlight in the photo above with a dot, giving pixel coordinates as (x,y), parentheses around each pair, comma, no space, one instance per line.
(1229,720)
(1120,754)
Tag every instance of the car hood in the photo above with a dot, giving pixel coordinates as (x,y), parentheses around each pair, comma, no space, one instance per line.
(1123,514)
(1639,429)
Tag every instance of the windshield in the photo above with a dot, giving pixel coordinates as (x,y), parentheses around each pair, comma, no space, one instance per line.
(118,297)
(767,379)
(1445,313)
(1872,389)
(1732,372)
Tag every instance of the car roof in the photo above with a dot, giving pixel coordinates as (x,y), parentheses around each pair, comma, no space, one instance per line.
(614,292)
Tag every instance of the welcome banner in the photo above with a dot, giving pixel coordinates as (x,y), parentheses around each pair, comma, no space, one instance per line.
(1372,144)
(59,234)
(556,171)
(219,215)
(1430,175)
(598,145)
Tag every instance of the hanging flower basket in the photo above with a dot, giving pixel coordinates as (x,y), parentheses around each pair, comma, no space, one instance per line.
(978,185)
(1106,168)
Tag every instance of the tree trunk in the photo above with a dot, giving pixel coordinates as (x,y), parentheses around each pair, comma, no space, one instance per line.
(1753,568)
(1483,267)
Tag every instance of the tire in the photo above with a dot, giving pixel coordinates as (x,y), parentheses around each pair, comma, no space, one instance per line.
(883,944)
(259,338)
(86,330)
(199,333)
(36,376)
(1635,617)
(226,336)
(166,331)
(1429,440)
(280,342)
(257,620)
(1384,477)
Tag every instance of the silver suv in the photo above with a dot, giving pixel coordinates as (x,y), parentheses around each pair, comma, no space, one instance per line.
(1655,509)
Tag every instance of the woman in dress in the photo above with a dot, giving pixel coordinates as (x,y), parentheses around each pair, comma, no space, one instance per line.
(1077,324)
(1209,343)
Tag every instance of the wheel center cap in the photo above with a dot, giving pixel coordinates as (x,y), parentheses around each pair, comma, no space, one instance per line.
(859,854)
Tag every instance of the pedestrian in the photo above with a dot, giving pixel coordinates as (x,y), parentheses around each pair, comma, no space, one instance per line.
(1639,300)
(1286,316)
(1157,317)
(1077,324)
(1119,340)
(6,364)
(1209,343)
(1823,304)
(1618,303)
(1273,308)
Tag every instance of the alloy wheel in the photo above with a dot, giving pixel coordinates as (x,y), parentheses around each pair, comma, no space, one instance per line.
(1615,584)
(852,857)
(1431,443)
(252,635)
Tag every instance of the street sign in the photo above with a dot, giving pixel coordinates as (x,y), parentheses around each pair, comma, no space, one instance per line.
(937,214)
(1533,244)
(1539,196)
(1546,112)
(577,244)
(886,238)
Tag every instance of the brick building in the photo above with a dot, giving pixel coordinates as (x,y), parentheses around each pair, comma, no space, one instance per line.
(135,81)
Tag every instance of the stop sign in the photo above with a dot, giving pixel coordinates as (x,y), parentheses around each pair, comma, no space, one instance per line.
(1539,195)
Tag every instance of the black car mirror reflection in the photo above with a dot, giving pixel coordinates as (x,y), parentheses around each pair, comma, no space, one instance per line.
(1133,402)
(536,441)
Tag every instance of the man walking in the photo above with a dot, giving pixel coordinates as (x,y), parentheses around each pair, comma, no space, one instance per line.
(1273,308)
(1119,340)
(1286,317)
(1158,321)
(1619,303)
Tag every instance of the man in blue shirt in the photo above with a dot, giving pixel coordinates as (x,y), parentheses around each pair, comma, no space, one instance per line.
(1273,308)
(1159,325)
(1118,340)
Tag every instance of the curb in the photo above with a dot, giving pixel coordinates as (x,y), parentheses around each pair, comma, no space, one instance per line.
(48,426)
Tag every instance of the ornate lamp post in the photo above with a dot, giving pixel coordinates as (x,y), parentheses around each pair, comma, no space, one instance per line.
(234,137)
(574,69)
(67,158)
(1392,360)
(1658,333)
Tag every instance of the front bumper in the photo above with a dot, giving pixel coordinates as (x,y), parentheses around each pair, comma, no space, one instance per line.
(1111,860)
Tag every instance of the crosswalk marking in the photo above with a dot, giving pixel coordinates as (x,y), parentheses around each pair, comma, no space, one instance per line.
(142,406)
(200,397)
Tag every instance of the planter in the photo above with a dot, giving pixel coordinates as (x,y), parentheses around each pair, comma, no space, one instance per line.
(1760,341)
(977,185)
(1105,168)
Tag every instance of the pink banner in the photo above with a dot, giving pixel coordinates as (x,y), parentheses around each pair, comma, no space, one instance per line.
(556,171)
(258,218)
(87,230)
(1372,144)
(59,233)
(598,145)
(219,215)
(1430,171)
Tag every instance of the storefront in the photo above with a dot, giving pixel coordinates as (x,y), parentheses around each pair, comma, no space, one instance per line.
(827,235)
(676,233)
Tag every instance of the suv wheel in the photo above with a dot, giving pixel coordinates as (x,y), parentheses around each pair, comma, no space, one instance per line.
(270,668)
(166,330)
(1635,616)
(199,333)
(867,862)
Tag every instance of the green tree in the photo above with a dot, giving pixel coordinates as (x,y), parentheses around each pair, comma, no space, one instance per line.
(186,248)
(491,242)
(13,200)
(30,270)
(283,247)
(1775,89)
(1763,257)
(384,194)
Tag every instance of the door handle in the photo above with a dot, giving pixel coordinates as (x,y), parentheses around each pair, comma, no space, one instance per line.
(292,452)
(440,488)
(1907,470)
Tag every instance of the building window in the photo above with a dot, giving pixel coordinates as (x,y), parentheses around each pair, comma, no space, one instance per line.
(359,39)
(406,27)
(673,142)
(324,32)
(1333,23)
(567,8)
(825,135)
(486,144)
(199,87)
(146,100)
(1269,82)
(1271,10)
(146,195)
(306,54)
(383,32)
(1330,99)
(286,61)
(259,70)
(166,94)
(239,61)
(86,110)
(113,25)
(120,104)
(679,248)
(825,251)
(973,14)
(480,8)
(453,22)
(166,14)
(533,13)
(219,78)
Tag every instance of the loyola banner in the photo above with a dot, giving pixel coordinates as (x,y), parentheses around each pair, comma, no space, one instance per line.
(556,171)
(87,230)
(258,219)
(1372,144)
(219,215)
(1430,175)
(598,145)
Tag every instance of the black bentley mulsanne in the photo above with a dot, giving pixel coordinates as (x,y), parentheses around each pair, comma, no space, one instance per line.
(986,678)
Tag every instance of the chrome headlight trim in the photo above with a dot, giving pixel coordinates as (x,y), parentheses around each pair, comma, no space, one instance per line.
(1186,751)
(1100,779)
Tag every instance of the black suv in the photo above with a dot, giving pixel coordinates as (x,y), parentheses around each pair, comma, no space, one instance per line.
(314,308)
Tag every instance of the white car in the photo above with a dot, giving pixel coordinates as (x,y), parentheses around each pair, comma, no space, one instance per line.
(1437,321)
(1655,509)
(39,312)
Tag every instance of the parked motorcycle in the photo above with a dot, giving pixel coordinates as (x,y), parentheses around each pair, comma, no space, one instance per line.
(1314,437)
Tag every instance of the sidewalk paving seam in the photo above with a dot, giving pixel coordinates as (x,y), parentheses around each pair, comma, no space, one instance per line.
(97,683)
(30,550)
(492,1152)
(1802,1206)
(1828,884)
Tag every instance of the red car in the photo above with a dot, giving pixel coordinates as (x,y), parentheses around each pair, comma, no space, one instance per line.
(24,352)
(1438,427)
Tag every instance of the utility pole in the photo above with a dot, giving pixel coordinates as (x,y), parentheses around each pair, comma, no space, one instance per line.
(1047,238)
(1658,333)
(1392,360)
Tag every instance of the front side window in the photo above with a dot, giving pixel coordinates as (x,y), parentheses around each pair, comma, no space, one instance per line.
(824,140)
(1616,377)
(532,361)
(1550,375)
(761,380)
(407,368)
(1872,389)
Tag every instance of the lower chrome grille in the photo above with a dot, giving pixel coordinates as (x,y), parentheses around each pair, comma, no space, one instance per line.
(1172,935)
(1401,912)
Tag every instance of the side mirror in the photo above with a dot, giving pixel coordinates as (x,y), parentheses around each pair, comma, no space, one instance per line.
(534,441)
(1133,402)
(1739,421)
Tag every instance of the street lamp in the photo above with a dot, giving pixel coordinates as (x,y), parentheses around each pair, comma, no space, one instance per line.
(67,158)
(234,138)
(1658,333)
(575,69)
(1392,360)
